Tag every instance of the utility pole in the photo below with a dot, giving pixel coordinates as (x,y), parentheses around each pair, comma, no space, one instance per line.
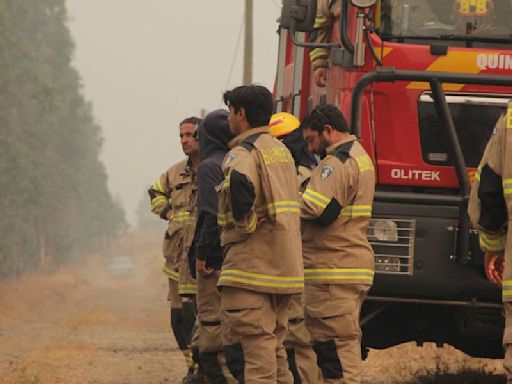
(248,42)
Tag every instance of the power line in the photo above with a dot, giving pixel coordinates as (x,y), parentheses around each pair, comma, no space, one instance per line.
(235,54)
(276,4)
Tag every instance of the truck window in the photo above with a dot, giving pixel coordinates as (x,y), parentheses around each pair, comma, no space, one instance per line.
(474,117)
(461,22)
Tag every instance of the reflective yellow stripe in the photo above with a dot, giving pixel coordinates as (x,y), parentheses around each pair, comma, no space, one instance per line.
(226,183)
(173,275)
(251,227)
(489,244)
(158,186)
(316,198)
(320,21)
(356,211)
(509,116)
(507,186)
(187,289)
(507,290)
(316,53)
(182,217)
(224,218)
(339,274)
(478,173)
(158,200)
(262,280)
(284,206)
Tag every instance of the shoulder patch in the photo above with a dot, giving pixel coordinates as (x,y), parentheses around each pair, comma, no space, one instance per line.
(327,171)
(229,159)
(343,151)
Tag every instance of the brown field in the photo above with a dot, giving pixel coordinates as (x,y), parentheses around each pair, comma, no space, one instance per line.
(80,326)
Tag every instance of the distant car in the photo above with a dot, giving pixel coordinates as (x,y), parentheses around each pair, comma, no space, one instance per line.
(120,266)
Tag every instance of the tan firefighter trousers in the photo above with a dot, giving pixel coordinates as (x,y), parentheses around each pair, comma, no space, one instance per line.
(332,319)
(301,356)
(210,341)
(253,332)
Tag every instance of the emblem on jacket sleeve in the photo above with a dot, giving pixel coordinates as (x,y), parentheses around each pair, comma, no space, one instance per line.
(326,172)
(229,159)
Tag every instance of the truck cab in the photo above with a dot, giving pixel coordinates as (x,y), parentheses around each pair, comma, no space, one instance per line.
(423,84)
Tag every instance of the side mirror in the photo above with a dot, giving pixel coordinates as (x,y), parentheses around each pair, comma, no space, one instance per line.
(299,14)
(363,3)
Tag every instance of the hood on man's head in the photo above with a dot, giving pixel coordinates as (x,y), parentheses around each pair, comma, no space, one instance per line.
(214,133)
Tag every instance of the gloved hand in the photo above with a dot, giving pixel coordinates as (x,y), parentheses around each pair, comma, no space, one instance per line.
(494,266)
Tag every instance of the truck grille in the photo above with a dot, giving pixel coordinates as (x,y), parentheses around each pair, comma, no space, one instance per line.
(392,241)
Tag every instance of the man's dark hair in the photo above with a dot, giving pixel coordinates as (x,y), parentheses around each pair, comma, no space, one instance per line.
(191,120)
(255,100)
(327,115)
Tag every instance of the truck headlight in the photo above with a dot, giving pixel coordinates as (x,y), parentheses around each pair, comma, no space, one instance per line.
(385,230)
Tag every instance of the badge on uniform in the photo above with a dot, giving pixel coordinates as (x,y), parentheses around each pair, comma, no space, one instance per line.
(229,159)
(326,172)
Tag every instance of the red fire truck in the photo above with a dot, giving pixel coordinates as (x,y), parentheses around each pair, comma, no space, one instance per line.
(424,99)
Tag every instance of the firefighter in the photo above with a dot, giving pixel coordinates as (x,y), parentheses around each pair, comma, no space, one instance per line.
(328,11)
(259,216)
(490,210)
(170,199)
(301,356)
(206,256)
(472,18)
(338,260)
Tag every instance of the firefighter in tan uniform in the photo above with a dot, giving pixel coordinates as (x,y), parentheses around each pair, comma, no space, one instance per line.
(301,356)
(338,260)
(259,215)
(490,210)
(170,199)
(328,12)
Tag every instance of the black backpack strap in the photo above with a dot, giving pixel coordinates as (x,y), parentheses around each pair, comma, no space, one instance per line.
(343,151)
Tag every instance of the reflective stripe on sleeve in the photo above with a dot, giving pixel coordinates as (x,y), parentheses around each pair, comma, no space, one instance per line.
(251,227)
(507,290)
(173,275)
(224,218)
(158,186)
(316,198)
(356,211)
(507,186)
(158,200)
(316,53)
(493,245)
(257,279)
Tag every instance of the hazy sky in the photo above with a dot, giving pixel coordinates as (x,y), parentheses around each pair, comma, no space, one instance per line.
(148,64)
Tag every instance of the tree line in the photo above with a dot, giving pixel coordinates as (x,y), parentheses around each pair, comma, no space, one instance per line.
(54,202)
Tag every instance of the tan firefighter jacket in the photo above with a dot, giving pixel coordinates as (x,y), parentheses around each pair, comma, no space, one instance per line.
(259,216)
(336,210)
(490,205)
(170,199)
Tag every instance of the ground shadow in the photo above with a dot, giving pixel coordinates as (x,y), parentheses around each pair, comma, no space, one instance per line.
(463,377)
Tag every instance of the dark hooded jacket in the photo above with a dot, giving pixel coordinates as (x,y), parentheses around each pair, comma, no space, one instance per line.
(214,136)
(298,147)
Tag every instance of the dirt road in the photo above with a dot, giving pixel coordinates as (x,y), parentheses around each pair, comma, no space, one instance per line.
(81,326)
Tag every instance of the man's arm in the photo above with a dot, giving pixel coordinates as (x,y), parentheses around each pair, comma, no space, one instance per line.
(160,193)
(243,180)
(323,199)
(322,34)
